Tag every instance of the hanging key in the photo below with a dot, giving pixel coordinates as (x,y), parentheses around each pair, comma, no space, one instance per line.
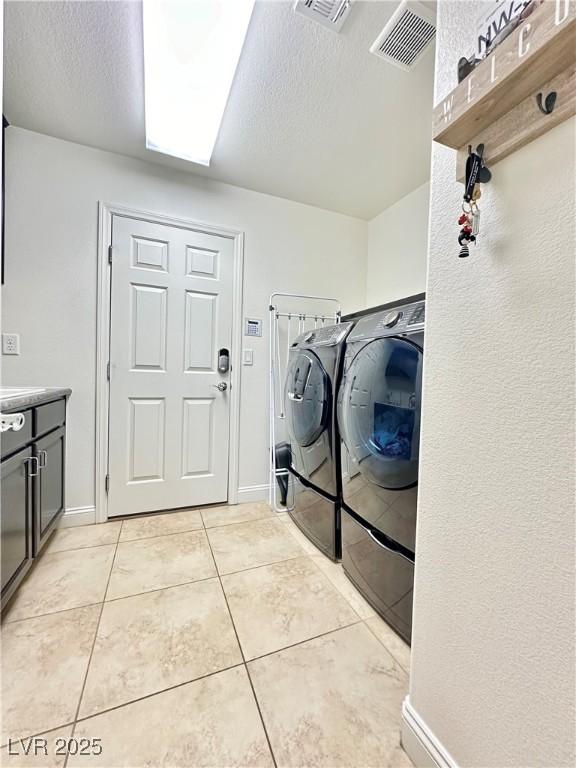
(475,221)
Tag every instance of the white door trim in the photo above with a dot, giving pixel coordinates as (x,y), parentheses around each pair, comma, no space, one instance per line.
(105,213)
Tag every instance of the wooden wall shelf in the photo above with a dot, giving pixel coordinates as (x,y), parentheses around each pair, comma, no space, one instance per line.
(496,104)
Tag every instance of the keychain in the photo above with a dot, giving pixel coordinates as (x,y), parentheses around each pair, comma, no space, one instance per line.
(469,219)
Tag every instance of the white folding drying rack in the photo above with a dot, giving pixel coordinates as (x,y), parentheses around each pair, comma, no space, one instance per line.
(295,314)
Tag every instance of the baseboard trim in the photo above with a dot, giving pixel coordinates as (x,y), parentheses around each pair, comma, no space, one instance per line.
(422,746)
(253,493)
(78,516)
(87,515)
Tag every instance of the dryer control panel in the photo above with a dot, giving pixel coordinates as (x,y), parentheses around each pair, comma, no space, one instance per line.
(397,321)
(323,336)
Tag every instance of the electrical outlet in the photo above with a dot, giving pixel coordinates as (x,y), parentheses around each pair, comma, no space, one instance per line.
(10,343)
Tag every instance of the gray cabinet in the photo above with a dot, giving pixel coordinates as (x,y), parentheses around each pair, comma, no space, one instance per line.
(16,519)
(49,485)
(32,494)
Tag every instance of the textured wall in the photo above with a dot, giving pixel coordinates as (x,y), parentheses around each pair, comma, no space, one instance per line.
(493,645)
(52,193)
(397,249)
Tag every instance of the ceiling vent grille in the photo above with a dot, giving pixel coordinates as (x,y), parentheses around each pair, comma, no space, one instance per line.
(406,36)
(330,13)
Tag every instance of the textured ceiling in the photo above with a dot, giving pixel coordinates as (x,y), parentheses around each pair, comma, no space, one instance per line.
(312,116)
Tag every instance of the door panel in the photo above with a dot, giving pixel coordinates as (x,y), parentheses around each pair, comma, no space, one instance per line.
(308,404)
(49,485)
(201,262)
(307,398)
(200,315)
(149,307)
(147,425)
(198,436)
(379,412)
(171,310)
(150,254)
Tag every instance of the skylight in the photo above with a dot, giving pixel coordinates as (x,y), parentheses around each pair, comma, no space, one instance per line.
(191,51)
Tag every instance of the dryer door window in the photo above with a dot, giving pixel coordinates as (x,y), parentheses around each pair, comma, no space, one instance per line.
(379,411)
(307,398)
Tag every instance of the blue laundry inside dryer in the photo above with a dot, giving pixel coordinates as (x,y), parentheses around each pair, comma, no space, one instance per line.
(393,431)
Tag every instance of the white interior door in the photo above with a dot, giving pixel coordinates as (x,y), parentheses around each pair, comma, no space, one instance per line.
(171,314)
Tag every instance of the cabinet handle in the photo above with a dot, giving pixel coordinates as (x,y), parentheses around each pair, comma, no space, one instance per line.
(12,421)
(382,545)
(36,466)
(43,456)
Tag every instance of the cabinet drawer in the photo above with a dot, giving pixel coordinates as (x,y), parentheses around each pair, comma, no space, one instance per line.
(12,441)
(382,574)
(49,416)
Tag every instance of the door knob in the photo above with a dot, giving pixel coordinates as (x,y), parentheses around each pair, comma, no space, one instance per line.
(222,386)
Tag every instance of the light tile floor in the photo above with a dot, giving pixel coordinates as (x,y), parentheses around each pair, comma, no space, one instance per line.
(215,637)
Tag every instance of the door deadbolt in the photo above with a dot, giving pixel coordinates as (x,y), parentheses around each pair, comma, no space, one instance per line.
(223,361)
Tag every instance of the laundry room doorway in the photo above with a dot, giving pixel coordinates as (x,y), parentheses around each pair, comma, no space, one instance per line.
(169,295)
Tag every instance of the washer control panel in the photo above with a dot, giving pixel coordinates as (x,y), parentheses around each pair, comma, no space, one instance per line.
(406,319)
(417,316)
(391,319)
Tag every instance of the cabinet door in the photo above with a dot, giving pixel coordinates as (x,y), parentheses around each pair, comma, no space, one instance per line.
(16,519)
(49,497)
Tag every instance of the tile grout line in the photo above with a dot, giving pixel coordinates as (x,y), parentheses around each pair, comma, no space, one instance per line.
(128,703)
(94,642)
(155,693)
(111,600)
(159,589)
(383,644)
(203,528)
(7,621)
(265,565)
(243,657)
(125,541)
(340,592)
(306,640)
(238,522)
(41,733)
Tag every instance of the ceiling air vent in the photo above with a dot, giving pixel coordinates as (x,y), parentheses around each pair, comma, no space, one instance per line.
(329,13)
(406,35)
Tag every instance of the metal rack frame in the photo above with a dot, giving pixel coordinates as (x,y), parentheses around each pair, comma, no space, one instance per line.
(301,316)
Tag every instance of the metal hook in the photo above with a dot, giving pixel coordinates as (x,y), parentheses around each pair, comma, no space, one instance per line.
(549,102)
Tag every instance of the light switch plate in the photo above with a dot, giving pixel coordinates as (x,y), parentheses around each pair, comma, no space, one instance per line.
(248,357)
(10,343)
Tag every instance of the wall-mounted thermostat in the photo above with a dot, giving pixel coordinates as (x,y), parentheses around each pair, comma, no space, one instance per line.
(252,327)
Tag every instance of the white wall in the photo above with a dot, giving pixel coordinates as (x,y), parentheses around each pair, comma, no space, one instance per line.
(52,193)
(493,646)
(397,249)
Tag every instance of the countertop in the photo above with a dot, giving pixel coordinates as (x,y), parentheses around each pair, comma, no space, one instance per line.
(18,398)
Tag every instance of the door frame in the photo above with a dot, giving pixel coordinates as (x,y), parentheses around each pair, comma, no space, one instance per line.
(105,213)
